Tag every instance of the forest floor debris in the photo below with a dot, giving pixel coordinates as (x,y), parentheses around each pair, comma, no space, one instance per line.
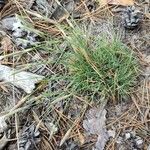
(47,115)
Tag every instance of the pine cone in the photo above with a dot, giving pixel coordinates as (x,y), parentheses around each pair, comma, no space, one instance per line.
(131,17)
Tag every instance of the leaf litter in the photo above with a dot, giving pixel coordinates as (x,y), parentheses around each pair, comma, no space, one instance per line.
(94,124)
(29,138)
(3,131)
(23,80)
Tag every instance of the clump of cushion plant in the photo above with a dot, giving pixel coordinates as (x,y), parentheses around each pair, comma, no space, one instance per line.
(100,66)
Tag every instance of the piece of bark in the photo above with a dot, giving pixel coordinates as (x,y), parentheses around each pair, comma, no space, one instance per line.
(23,80)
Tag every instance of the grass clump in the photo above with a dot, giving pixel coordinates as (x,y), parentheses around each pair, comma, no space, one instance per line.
(100,65)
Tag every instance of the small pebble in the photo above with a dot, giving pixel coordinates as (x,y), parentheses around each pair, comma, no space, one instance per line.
(111,133)
(127,136)
(119,140)
(139,142)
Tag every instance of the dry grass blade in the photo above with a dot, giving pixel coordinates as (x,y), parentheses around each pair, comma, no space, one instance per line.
(87,63)
(136,104)
(8,10)
(81,137)
(15,53)
(18,106)
(67,134)
(83,68)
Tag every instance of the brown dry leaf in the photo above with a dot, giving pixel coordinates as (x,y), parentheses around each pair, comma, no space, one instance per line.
(117,2)
(147,15)
(7,45)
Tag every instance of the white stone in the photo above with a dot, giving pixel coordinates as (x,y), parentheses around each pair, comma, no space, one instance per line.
(127,136)
(119,140)
(139,142)
(111,133)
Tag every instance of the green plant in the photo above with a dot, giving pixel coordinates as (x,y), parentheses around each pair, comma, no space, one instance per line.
(100,65)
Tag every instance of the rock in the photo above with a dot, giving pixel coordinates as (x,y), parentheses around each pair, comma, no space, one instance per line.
(111,133)
(139,140)
(18,29)
(127,136)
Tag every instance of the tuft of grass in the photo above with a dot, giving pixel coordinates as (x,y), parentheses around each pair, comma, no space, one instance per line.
(100,65)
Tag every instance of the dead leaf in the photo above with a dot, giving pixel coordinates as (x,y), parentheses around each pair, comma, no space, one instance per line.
(7,45)
(95,124)
(81,138)
(117,2)
(3,129)
(147,15)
